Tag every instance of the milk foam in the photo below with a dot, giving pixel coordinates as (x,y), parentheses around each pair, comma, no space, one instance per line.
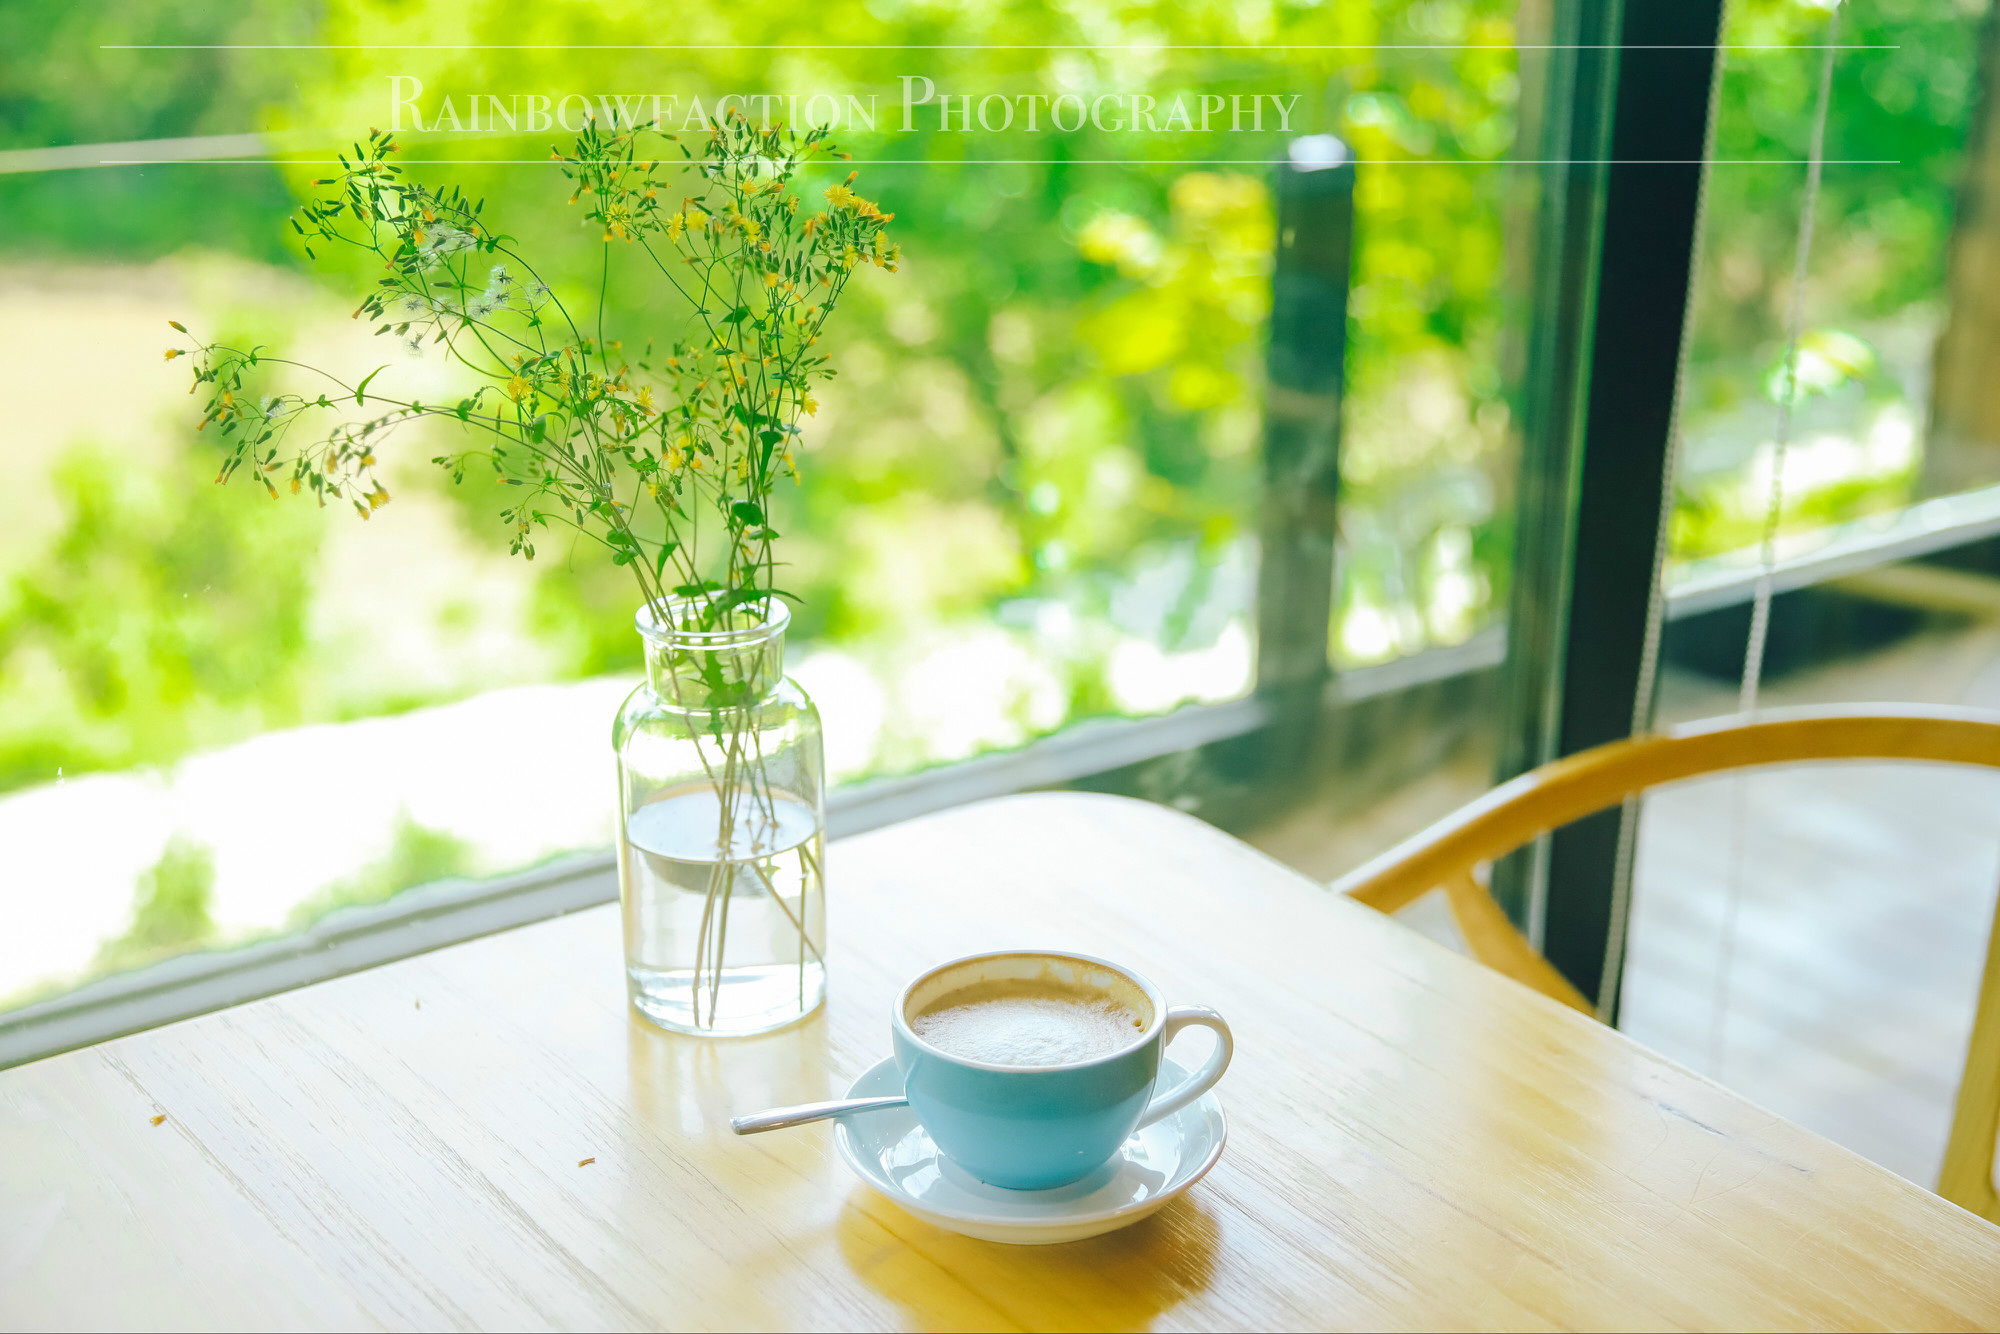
(1029,1030)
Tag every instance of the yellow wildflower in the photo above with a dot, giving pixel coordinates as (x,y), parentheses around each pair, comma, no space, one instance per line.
(645,399)
(840,196)
(811,405)
(173,352)
(519,388)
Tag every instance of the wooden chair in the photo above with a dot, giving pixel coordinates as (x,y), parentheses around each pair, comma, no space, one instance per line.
(1451,854)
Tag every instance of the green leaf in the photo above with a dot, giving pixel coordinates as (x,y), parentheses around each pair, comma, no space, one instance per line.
(747,512)
(737,316)
(363,386)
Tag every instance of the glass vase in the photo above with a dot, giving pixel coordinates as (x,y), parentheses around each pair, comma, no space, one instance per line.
(721,834)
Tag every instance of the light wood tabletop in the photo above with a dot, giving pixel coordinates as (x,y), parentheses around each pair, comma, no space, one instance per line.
(486,1137)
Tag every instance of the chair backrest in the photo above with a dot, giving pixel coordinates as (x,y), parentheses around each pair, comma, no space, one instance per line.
(1518,812)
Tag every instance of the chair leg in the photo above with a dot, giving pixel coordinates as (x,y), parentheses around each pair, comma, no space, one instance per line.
(1971,1175)
(1495,943)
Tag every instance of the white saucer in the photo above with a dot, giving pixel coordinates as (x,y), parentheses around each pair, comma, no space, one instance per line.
(891,1152)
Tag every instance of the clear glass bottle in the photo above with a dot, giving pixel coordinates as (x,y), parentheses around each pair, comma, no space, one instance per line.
(721,835)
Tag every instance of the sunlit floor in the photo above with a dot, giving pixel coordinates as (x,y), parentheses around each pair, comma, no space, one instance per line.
(1865,899)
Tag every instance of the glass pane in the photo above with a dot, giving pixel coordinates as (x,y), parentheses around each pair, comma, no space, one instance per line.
(1030,499)
(1813,937)
(1873,405)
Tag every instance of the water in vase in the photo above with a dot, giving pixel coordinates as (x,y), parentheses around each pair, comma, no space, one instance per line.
(747,888)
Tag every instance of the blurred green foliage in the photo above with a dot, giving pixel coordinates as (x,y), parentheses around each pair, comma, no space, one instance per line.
(166,614)
(1902,101)
(1071,378)
(1067,386)
(170,909)
(172,902)
(73,78)
(417,855)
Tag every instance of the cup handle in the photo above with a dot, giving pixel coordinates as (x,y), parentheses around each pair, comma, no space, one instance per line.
(1202,1080)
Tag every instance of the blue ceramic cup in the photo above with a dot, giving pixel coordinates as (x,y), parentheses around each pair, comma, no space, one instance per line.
(1033,1127)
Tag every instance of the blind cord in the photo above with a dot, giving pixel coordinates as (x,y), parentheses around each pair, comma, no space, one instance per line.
(1760,607)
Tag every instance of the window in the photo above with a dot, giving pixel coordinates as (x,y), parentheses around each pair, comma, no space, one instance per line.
(1034,499)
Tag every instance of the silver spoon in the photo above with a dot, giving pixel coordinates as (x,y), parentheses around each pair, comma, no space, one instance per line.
(781,1118)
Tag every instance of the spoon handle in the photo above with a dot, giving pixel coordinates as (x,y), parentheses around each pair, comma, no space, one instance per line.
(780,1118)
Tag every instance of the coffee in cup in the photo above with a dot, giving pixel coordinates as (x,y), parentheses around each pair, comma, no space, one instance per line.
(1033,1021)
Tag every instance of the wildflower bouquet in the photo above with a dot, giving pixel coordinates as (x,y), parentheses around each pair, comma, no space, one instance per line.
(629,451)
(666,456)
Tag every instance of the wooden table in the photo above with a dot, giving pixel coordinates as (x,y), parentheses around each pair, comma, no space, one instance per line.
(1414,1141)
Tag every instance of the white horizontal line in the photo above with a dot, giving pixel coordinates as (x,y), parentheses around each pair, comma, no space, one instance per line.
(1053,162)
(982,46)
